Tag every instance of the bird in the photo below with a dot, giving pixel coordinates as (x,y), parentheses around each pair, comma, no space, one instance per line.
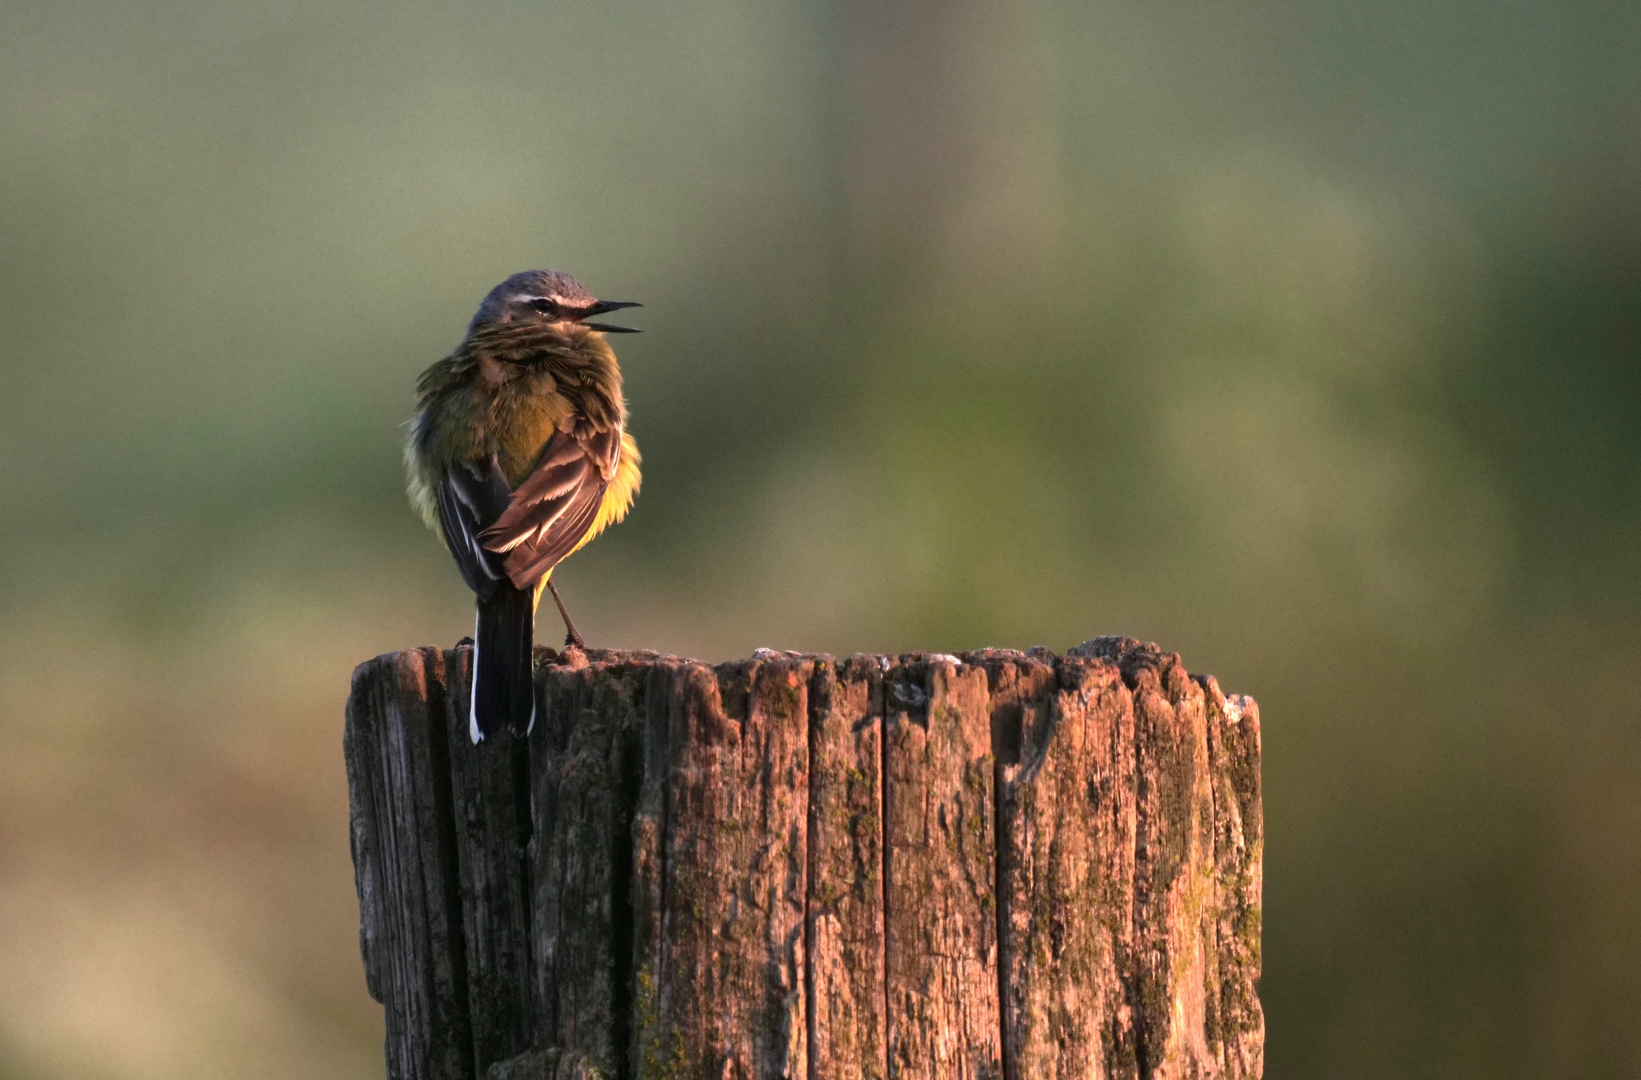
(517,455)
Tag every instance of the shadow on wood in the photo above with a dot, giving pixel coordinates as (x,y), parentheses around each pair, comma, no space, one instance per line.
(994,865)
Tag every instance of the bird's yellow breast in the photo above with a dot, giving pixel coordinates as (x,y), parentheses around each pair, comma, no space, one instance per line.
(522,418)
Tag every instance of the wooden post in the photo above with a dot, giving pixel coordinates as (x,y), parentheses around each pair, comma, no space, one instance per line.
(992,866)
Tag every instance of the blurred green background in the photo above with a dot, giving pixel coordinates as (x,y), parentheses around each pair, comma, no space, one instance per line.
(1303,338)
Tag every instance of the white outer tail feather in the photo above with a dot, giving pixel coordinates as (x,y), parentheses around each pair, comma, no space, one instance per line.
(473,731)
(473,692)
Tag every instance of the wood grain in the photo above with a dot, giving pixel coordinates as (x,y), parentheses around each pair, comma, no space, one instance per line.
(724,988)
(1000,864)
(582,809)
(941,907)
(847,1036)
(1069,824)
(491,803)
(404,855)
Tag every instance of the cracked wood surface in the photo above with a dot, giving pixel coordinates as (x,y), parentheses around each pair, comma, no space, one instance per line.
(940,906)
(992,865)
(847,1030)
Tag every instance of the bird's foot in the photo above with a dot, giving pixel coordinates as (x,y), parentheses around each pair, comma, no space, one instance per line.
(572,640)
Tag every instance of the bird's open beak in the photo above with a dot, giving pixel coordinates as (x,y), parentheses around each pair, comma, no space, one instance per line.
(599,308)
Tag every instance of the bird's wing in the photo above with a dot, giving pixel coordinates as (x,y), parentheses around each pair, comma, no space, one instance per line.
(470,496)
(557,503)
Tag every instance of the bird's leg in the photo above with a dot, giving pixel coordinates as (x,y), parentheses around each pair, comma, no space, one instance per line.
(571,638)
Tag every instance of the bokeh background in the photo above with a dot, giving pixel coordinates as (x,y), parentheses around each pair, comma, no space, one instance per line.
(1303,338)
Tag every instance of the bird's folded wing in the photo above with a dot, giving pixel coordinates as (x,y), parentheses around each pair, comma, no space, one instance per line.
(557,503)
(469,496)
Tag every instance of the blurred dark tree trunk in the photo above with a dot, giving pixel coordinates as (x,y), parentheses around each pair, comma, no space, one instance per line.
(998,865)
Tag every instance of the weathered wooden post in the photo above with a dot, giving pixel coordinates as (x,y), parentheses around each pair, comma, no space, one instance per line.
(993,865)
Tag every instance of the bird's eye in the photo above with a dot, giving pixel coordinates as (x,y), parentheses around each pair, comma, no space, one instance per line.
(544,305)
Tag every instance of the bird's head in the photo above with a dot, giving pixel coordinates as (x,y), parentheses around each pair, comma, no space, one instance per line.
(545,296)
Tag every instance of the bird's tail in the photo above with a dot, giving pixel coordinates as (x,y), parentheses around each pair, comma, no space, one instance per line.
(503,689)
